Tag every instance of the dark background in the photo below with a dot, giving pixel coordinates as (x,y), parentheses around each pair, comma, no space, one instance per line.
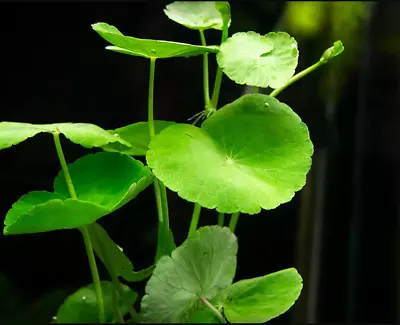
(341,231)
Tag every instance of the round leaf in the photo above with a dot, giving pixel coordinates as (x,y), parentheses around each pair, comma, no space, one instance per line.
(81,306)
(86,135)
(195,15)
(137,135)
(253,153)
(260,299)
(106,179)
(146,47)
(261,61)
(202,266)
(41,211)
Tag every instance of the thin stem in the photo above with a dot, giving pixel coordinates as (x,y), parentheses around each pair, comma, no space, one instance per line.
(214,310)
(118,315)
(234,221)
(255,89)
(296,77)
(159,187)
(206,86)
(195,219)
(95,273)
(219,74)
(221,219)
(114,278)
(84,230)
(150,103)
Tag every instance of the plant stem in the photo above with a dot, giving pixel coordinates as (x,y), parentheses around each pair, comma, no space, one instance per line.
(219,74)
(296,77)
(115,281)
(206,86)
(255,89)
(214,310)
(234,221)
(118,315)
(150,102)
(159,187)
(221,217)
(84,230)
(195,219)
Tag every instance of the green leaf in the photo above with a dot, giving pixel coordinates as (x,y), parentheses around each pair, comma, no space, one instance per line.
(202,266)
(86,135)
(225,10)
(146,47)
(137,135)
(41,211)
(253,153)
(107,179)
(196,15)
(261,61)
(81,306)
(103,183)
(260,299)
(333,51)
(204,316)
(121,264)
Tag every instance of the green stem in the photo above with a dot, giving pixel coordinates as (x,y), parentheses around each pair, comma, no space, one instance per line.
(255,89)
(195,219)
(160,190)
(115,281)
(221,219)
(296,77)
(214,310)
(206,86)
(234,221)
(150,102)
(219,74)
(84,230)
(118,315)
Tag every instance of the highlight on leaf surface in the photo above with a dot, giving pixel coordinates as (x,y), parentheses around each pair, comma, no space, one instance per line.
(137,135)
(201,267)
(199,15)
(121,265)
(147,48)
(253,153)
(333,51)
(103,182)
(256,60)
(261,299)
(81,306)
(84,134)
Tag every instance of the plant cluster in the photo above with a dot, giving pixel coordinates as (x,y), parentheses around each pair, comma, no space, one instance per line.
(251,154)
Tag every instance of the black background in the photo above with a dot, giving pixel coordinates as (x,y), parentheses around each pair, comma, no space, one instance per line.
(341,231)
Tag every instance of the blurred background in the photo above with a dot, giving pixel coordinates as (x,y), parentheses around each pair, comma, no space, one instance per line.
(341,231)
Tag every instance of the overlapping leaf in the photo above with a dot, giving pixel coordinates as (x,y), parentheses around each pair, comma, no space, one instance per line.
(81,306)
(261,299)
(137,135)
(86,135)
(197,14)
(332,52)
(103,183)
(253,153)
(147,48)
(261,61)
(203,266)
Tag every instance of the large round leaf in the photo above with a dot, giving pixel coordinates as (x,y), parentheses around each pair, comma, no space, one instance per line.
(195,14)
(253,153)
(137,135)
(87,135)
(41,211)
(147,48)
(203,266)
(81,306)
(260,299)
(107,179)
(262,61)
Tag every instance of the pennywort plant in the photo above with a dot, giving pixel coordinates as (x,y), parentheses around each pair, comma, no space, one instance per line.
(251,154)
